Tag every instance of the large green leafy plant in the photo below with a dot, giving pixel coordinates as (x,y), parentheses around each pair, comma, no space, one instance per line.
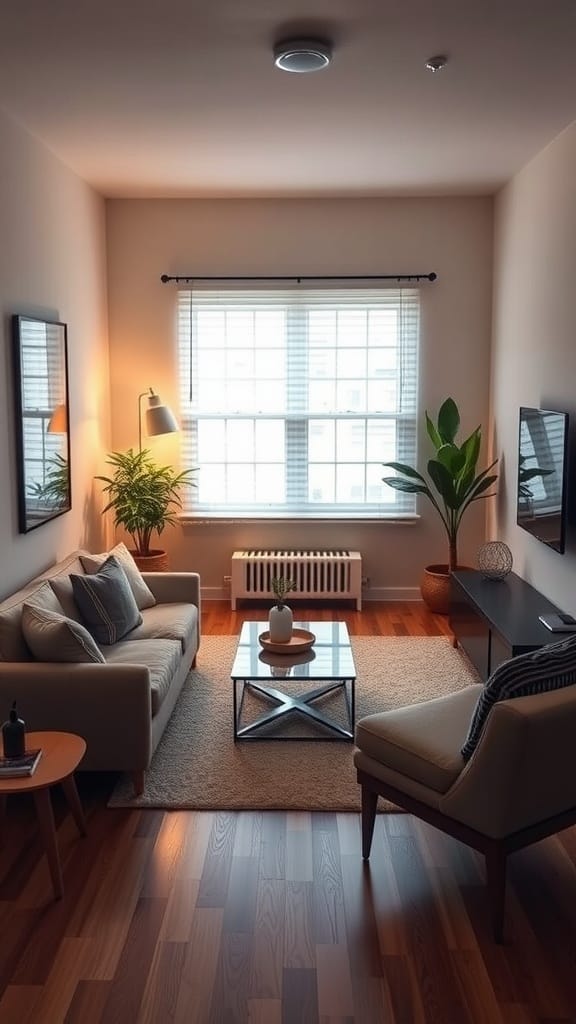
(454,481)
(143,496)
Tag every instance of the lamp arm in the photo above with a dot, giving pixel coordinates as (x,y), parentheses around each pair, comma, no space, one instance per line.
(140,397)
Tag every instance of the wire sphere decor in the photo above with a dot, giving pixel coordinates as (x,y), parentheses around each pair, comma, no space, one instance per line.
(495,560)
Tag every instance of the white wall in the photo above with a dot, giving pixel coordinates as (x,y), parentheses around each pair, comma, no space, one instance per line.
(534,346)
(52,264)
(450,236)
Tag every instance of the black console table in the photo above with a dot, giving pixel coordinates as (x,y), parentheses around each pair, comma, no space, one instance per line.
(496,620)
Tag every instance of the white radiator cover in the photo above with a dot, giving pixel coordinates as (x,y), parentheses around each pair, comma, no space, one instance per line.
(326,574)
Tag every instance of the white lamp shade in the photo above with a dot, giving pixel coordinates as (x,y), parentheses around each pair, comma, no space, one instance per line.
(159,418)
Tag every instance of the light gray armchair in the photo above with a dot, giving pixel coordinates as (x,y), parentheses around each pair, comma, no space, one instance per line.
(518,787)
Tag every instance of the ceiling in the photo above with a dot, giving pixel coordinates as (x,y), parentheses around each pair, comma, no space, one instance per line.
(183,99)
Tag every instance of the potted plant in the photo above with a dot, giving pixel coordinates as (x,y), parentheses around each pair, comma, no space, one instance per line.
(280,616)
(145,499)
(454,483)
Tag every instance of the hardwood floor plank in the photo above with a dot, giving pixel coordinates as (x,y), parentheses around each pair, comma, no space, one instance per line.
(199,970)
(180,907)
(436,978)
(403,990)
(129,982)
(475,987)
(299,861)
(240,905)
(268,943)
(265,1011)
(328,899)
(88,1002)
(217,862)
(18,1004)
(299,926)
(300,1000)
(166,855)
(273,846)
(230,992)
(334,982)
(163,986)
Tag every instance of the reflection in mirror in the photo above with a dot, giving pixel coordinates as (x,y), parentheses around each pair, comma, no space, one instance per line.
(42,422)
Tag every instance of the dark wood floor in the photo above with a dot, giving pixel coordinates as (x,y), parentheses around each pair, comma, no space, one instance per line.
(271,917)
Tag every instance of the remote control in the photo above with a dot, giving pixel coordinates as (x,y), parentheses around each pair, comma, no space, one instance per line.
(558,622)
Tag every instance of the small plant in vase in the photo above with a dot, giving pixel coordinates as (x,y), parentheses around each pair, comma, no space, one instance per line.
(280,617)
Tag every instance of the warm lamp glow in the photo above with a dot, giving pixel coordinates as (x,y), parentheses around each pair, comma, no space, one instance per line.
(58,422)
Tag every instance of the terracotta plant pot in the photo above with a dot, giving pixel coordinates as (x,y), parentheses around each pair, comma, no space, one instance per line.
(156,561)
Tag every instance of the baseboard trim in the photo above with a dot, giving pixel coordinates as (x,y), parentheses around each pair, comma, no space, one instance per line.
(372,594)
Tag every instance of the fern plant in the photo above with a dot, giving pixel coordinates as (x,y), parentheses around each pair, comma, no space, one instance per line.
(144,497)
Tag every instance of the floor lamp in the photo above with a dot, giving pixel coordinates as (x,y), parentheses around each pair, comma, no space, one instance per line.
(159,418)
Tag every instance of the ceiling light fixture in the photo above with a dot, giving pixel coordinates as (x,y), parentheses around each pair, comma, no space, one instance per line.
(302,55)
(435,64)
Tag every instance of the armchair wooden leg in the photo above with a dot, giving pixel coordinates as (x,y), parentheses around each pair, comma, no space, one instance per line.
(369,802)
(138,782)
(496,879)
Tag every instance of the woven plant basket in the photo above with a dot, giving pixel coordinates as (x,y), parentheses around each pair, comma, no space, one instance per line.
(156,561)
(435,588)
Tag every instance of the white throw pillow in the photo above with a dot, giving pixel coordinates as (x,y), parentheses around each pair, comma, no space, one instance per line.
(53,637)
(143,595)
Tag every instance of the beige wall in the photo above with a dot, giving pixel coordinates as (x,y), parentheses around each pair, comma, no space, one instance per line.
(450,236)
(534,348)
(52,264)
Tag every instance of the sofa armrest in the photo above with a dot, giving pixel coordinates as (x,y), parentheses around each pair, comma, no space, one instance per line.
(108,705)
(169,587)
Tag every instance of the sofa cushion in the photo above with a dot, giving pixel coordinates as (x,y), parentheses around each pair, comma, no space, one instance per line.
(169,622)
(549,668)
(13,646)
(106,602)
(421,741)
(52,637)
(161,657)
(142,594)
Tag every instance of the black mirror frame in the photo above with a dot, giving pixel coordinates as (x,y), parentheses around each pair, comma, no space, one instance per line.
(23,506)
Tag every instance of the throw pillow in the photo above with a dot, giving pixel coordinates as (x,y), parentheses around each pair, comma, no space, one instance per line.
(52,637)
(106,602)
(549,668)
(13,646)
(62,587)
(142,593)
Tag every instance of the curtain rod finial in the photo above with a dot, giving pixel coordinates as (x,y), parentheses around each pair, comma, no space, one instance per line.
(164,278)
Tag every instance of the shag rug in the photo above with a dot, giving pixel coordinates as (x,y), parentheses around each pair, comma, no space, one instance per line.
(197,765)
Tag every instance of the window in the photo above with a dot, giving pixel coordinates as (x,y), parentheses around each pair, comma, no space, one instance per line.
(292,399)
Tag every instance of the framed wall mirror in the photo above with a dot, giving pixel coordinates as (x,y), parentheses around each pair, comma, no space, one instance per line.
(42,421)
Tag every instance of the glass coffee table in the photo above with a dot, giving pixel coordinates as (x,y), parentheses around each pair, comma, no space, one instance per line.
(261,679)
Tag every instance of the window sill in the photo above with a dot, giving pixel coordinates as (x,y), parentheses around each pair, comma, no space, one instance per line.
(213,519)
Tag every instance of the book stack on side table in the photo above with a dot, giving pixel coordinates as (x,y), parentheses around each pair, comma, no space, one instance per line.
(20,767)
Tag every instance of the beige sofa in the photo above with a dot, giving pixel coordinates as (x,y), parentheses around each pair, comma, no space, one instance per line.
(121,707)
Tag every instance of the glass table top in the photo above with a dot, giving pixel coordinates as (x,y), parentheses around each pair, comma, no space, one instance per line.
(329,658)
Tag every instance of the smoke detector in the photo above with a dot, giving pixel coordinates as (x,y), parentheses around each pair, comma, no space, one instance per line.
(436,63)
(302,55)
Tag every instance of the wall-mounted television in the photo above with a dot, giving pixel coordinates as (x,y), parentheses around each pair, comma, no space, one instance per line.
(542,475)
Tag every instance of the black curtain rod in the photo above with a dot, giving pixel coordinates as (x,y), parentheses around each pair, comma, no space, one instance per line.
(185,278)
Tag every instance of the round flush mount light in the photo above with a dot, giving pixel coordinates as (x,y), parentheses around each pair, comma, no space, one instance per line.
(302,55)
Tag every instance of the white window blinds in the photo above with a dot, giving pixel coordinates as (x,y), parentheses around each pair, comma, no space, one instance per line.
(292,398)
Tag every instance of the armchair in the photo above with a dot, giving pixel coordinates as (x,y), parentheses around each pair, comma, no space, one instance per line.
(518,787)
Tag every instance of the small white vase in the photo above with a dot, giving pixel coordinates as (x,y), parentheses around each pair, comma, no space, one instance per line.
(280,624)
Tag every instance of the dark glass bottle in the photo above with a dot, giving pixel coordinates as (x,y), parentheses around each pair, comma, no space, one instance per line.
(14,735)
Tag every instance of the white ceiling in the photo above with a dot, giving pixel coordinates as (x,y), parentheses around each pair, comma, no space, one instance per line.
(183,99)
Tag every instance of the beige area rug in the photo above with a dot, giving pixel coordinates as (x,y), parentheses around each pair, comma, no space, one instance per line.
(198,766)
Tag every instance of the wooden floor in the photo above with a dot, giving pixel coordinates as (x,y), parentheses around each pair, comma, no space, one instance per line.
(272,917)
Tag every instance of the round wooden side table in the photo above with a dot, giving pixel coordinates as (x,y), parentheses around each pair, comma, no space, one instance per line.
(61,755)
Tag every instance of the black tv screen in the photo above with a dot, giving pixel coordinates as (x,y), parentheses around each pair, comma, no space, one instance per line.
(542,466)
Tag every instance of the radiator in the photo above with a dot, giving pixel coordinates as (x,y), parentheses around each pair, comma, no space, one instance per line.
(325,574)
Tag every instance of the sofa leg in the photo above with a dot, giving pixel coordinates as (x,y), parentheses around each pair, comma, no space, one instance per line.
(496,879)
(369,802)
(138,782)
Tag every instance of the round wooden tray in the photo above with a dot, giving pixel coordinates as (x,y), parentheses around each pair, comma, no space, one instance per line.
(301,640)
